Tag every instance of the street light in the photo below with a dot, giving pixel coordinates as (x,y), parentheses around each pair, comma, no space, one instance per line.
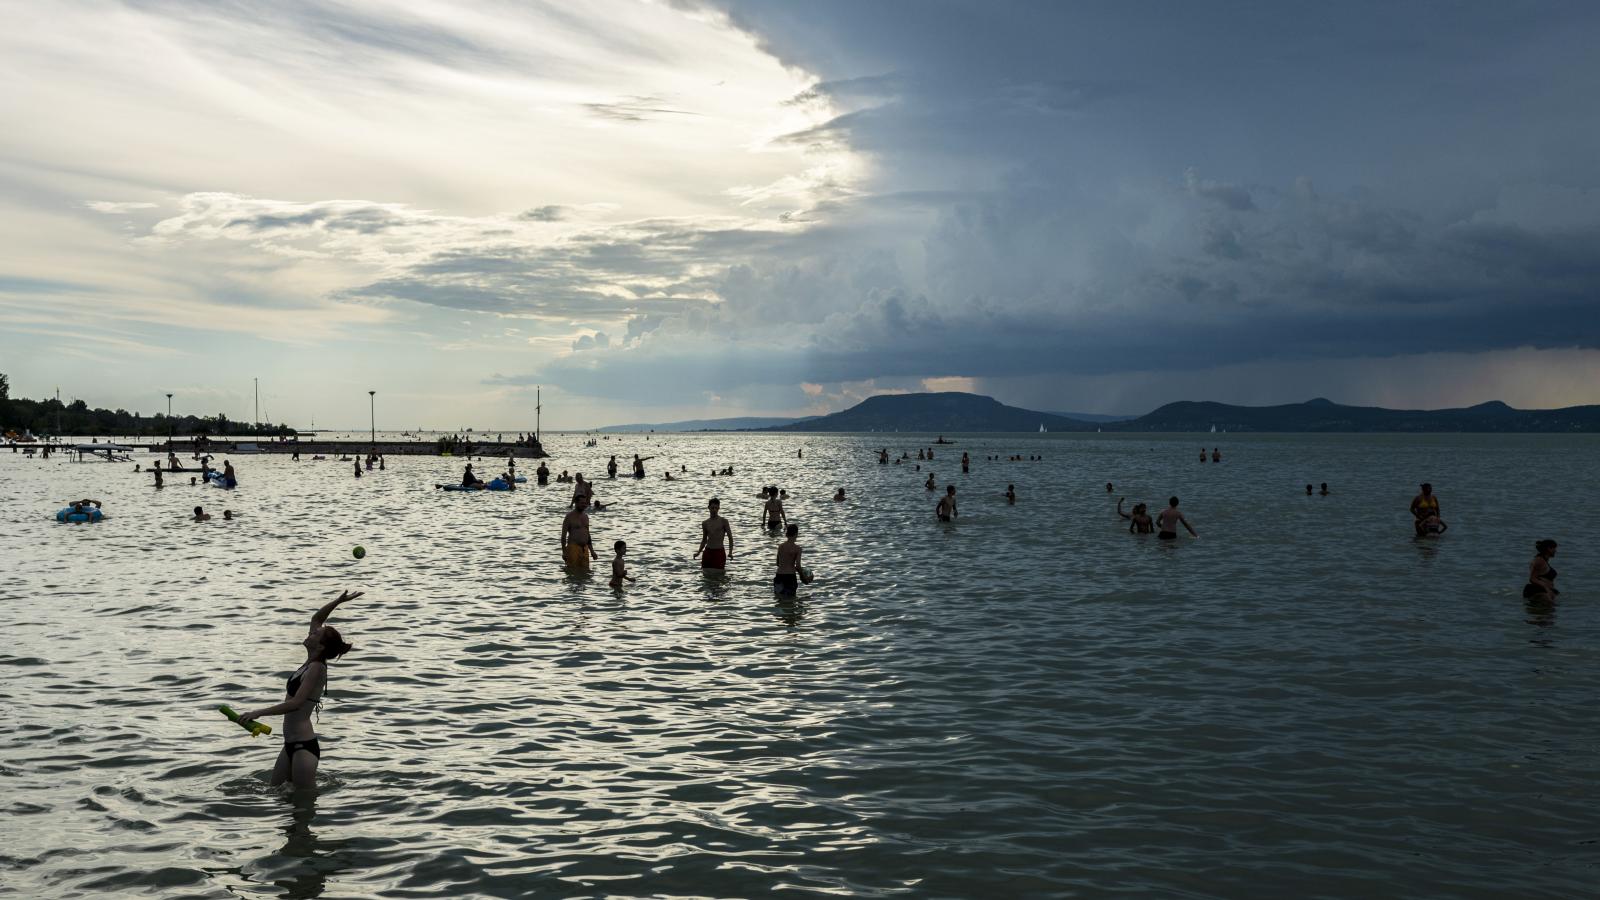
(372,407)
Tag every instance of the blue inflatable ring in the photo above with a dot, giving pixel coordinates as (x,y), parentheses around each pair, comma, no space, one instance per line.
(92,514)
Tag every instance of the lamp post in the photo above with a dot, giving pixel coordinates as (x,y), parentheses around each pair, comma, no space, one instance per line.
(372,410)
(169,421)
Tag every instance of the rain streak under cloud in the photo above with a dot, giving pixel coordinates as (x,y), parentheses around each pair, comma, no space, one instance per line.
(664,211)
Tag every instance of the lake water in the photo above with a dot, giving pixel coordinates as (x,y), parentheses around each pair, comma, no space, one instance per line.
(1305,702)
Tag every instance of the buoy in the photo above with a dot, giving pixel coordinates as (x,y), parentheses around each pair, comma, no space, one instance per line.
(359,552)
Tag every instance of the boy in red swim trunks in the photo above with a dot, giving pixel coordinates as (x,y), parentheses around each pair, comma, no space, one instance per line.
(714,531)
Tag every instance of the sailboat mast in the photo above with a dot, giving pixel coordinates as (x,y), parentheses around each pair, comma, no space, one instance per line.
(538,410)
(258,403)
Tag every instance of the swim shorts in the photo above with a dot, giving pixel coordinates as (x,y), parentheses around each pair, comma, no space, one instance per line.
(786,583)
(576,555)
(714,558)
(1168,535)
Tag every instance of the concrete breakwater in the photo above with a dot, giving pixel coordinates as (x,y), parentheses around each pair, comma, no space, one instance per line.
(187,448)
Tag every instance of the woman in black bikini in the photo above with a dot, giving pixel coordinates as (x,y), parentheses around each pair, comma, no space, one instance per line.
(297,761)
(1541,578)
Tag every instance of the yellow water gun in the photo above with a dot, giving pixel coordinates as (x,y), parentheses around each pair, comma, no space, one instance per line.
(255,728)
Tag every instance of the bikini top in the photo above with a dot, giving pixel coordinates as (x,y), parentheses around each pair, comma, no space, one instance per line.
(294,681)
(1428,502)
(1549,573)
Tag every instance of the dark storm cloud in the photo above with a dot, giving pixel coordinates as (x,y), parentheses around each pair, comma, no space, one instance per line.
(1103,187)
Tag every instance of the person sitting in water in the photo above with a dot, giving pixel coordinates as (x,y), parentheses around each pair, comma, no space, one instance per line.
(1011,494)
(716,538)
(1170,519)
(1139,521)
(772,510)
(577,548)
(668,476)
(1541,577)
(227,515)
(619,569)
(1425,504)
(542,474)
(838,496)
(946,508)
(200,515)
(298,760)
(787,581)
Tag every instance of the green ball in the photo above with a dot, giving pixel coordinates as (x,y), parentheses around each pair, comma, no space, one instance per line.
(359,552)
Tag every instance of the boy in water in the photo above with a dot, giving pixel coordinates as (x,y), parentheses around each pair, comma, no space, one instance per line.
(787,581)
(946,510)
(713,532)
(773,510)
(619,570)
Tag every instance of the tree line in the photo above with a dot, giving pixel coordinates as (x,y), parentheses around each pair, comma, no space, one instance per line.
(76,418)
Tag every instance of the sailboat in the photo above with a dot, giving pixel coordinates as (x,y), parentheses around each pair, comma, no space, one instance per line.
(1042,429)
(1213,429)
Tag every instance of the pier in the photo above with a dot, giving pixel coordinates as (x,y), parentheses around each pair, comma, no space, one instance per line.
(190,447)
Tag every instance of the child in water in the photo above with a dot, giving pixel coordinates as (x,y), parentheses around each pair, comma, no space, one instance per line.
(619,570)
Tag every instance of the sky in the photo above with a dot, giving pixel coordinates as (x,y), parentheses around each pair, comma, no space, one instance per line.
(655,211)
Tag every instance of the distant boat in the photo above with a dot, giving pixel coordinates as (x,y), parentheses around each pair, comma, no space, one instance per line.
(1042,429)
(1213,429)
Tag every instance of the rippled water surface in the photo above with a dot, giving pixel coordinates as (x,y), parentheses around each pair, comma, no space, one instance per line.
(1305,702)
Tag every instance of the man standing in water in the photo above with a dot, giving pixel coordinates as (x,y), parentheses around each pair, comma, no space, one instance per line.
(946,510)
(714,533)
(611,467)
(582,489)
(542,473)
(577,548)
(1169,520)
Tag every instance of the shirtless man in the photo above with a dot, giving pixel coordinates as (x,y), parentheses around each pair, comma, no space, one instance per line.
(787,581)
(773,510)
(542,473)
(1139,521)
(638,465)
(929,483)
(946,510)
(1169,520)
(611,467)
(577,548)
(582,489)
(714,533)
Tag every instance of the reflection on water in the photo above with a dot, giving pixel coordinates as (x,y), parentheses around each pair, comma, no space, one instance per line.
(1292,705)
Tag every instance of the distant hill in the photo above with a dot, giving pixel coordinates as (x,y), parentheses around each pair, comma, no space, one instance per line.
(1325,415)
(739,423)
(949,412)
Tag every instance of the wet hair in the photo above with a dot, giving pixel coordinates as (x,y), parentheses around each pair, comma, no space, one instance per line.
(620,546)
(1544,545)
(1172,501)
(1426,486)
(198,510)
(714,502)
(333,644)
(793,530)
